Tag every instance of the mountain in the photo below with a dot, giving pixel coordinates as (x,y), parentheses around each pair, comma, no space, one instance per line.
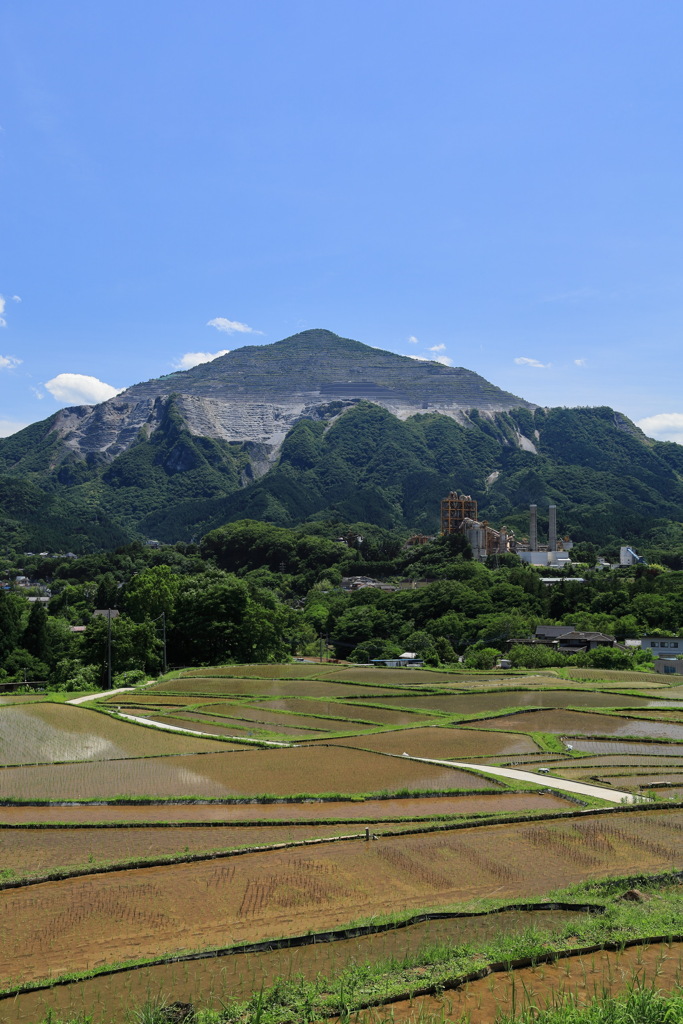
(321,426)
(254,395)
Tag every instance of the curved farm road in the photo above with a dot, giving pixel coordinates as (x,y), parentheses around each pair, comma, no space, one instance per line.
(194,732)
(96,696)
(165,727)
(615,796)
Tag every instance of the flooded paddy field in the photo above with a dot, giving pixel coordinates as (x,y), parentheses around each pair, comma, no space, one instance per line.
(613,760)
(258,687)
(442,742)
(577,722)
(235,727)
(239,773)
(149,699)
(27,852)
(491,801)
(630,748)
(299,670)
(76,922)
(340,710)
(96,918)
(48,732)
(326,714)
(210,982)
(636,781)
(476,703)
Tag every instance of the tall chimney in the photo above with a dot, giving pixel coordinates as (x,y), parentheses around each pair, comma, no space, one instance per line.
(533,528)
(503,541)
(552,528)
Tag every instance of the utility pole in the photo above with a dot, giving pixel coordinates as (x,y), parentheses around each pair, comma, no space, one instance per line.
(109,648)
(163,632)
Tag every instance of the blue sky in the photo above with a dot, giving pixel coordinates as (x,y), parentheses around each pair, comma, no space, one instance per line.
(499,182)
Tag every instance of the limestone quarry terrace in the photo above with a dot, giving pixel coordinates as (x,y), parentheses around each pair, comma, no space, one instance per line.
(257,393)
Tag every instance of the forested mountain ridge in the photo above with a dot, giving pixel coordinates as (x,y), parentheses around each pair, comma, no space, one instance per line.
(381,446)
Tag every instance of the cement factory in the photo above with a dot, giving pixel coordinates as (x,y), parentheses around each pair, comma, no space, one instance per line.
(459,514)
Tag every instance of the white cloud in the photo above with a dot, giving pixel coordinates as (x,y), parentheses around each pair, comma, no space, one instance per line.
(421,359)
(191,359)
(525,361)
(413,340)
(579,362)
(664,426)
(437,348)
(3,307)
(231,326)
(8,427)
(444,360)
(80,389)
(38,393)
(8,362)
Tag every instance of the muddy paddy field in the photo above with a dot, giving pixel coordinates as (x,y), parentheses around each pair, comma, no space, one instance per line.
(311,806)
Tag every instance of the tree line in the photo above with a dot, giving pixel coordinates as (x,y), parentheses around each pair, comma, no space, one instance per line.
(253,592)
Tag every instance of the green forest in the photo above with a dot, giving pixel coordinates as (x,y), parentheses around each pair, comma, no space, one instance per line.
(611,484)
(255,592)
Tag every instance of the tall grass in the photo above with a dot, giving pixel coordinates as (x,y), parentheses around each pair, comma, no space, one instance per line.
(640,1004)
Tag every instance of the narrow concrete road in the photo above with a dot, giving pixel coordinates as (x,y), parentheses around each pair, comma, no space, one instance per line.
(195,732)
(615,796)
(96,696)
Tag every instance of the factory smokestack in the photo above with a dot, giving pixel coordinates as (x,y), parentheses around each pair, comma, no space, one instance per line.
(552,528)
(533,528)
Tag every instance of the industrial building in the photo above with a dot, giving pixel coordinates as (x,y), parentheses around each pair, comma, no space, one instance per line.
(554,552)
(459,514)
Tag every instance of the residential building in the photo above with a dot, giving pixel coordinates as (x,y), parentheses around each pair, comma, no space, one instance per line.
(662,646)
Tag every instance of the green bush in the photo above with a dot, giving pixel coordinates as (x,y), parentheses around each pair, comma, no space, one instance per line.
(536,656)
(485,658)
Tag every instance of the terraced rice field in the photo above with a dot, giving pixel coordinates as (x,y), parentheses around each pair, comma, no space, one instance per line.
(394,676)
(478,703)
(239,774)
(214,980)
(442,742)
(340,711)
(38,852)
(58,732)
(74,754)
(333,715)
(569,723)
(244,898)
(299,670)
(483,802)
(235,727)
(257,687)
(612,676)
(605,973)
(630,748)
(598,761)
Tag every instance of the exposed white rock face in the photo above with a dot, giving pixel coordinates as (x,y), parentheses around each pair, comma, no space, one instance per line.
(527,445)
(255,395)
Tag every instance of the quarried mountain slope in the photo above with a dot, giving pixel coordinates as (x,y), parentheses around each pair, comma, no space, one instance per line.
(320,426)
